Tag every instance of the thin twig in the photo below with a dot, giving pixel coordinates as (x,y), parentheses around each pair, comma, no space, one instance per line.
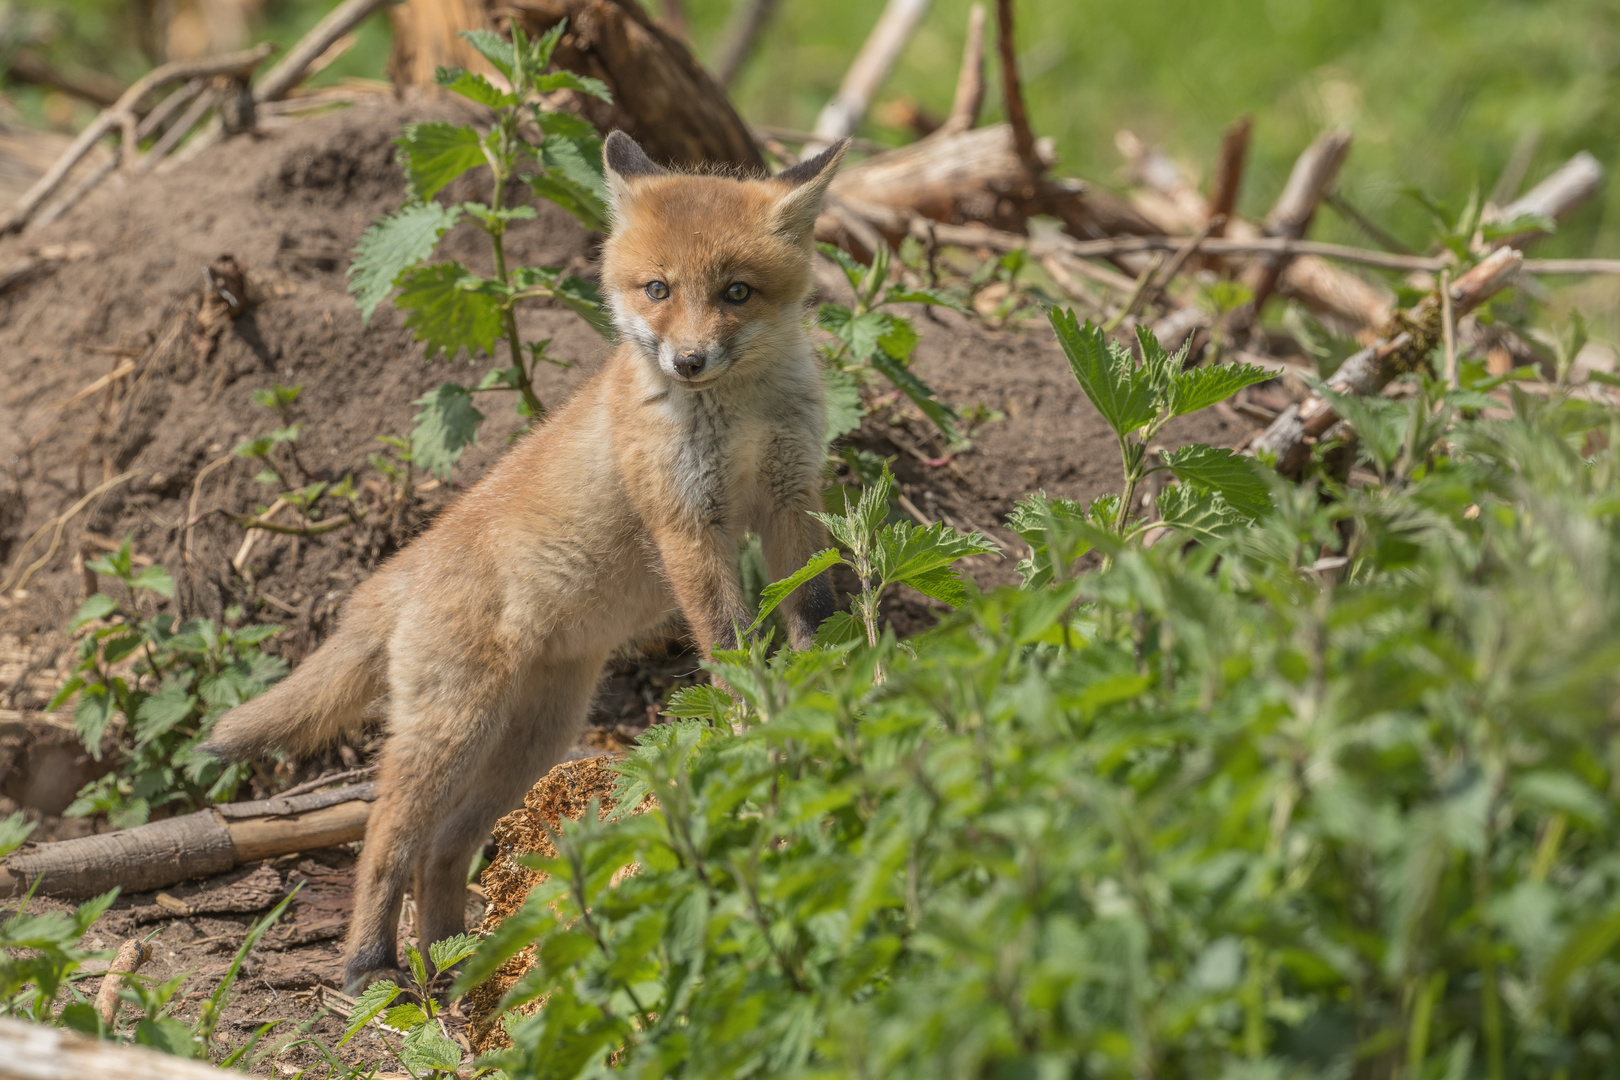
(1344,209)
(1448,328)
(1229,173)
(969,97)
(1135,298)
(134,953)
(58,523)
(324,781)
(1179,259)
(177,131)
(191,507)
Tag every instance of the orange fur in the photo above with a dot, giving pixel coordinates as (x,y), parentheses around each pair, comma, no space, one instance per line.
(483,641)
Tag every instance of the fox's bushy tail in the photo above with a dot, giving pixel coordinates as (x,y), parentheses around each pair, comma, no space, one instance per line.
(327,695)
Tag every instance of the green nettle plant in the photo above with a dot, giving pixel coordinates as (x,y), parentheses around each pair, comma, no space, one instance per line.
(157,685)
(446,305)
(871,340)
(425,1046)
(1325,789)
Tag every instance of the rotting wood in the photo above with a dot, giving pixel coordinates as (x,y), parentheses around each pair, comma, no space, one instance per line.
(427,36)
(1404,344)
(33,1051)
(662,96)
(112,118)
(130,957)
(840,116)
(193,845)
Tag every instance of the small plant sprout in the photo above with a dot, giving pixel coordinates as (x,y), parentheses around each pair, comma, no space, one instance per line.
(447,306)
(425,1046)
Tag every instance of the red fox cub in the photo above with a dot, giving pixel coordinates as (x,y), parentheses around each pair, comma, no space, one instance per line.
(483,641)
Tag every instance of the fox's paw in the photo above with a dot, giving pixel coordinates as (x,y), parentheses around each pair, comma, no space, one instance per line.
(356,977)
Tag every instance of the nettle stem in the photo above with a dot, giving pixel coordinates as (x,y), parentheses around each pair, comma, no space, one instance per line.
(497,230)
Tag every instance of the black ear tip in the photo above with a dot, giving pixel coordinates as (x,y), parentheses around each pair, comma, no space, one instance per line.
(810,168)
(625,156)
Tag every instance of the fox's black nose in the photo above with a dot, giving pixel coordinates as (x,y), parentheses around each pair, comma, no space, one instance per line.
(689,362)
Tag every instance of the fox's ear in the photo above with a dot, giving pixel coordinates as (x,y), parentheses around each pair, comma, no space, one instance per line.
(624,160)
(795,213)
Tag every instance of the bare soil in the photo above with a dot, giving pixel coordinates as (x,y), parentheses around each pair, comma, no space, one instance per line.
(288,206)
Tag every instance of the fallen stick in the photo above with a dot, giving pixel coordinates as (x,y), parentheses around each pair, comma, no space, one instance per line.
(177,131)
(240,64)
(840,116)
(195,845)
(92,86)
(291,69)
(34,1051)
(134,953)
(19,578)
(1229,172)
(1404,344)
(969,96)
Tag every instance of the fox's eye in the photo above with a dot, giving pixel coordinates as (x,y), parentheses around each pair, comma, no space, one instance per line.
(738,292)
(657,290)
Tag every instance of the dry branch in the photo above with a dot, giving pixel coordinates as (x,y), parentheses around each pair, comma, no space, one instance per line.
(1013,93)
(195,845)
(742,34)
(1229,172)
(33,1051)
(840,116)
(969,97)
(1403,345)
(661,95)
(240,64)
(91,86)
(1559,195)
(293,68)
(1291,215)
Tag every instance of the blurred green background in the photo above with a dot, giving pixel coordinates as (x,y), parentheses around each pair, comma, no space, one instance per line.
(1437,92)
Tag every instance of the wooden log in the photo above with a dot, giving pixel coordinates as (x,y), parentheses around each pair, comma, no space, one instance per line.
(840,116)
(952,177)
(195,845)
(427,37)
(1405,343)
(33,1051)
(661,95)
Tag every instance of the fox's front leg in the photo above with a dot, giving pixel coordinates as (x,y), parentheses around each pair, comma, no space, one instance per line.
(700,562)
(790,536)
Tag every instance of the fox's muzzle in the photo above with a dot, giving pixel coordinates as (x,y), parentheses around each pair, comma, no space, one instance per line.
(689,363)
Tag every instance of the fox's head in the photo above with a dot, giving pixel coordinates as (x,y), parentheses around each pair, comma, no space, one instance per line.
(708,274)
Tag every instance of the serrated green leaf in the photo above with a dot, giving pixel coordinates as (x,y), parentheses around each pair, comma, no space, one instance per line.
(156,579)
(446,426)
(573,178)
(698,703)
(909,555)
(1236,478)
(92,715)
(424,1048)
(840,628)
(566,124)
(161,712)
(1105,372)
(1055,528)
(582,298)
(1202,387)
(451,951)
(1199,514)
(904,294)
(14,832)
(98,606)
(921,394)
(773,594)
(568,80)
(376,997)
(473,87)
(168,1034)
(404,1017)
(387,249)
(436,153)
(449,309)
(494,48)
(844,407)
